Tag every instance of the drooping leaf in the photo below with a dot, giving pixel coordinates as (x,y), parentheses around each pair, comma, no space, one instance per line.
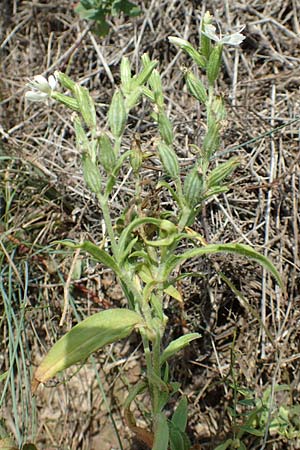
(85,338)
(189,49)
(125,235)
(238,249)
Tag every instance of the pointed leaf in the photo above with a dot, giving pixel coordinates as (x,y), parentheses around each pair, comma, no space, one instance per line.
(189,49)
(65,81)
(179,418)
(174,293)
(85,338)
(177,345)
(239,249)
(225,445)
(145,73)
(96,252)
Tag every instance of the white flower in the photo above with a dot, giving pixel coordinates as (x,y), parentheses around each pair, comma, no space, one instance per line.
(229,39)
(41,88)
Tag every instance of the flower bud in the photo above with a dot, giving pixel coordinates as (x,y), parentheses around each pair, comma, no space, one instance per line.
(169,160)
(91,174)
(117,115)
(106,156)
(165,128)
(193,187)
(196,87)
(214,63)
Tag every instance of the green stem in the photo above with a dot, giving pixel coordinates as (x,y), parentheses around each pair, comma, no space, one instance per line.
(157,371)
(106,216)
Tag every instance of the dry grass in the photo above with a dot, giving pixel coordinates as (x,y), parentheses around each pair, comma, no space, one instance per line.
(43,198)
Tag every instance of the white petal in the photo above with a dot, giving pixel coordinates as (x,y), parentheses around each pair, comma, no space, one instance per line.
(210,32)
(52,81)
(40,83)
(34,96)
(233,39)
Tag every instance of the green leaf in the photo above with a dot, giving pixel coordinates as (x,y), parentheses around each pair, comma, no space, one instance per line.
(145,73)
(239,249)
(96,252)
(225,445)
(102,27)
(251,430)
(180,415)
(215,191)
(125,6)
(161,433)
(205,43)
(134,391)
(177,345)
(125,235)
(4,375)
(178,439)
(174,293)
(85,338)
(189,49)
(29,447)
(133,98)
